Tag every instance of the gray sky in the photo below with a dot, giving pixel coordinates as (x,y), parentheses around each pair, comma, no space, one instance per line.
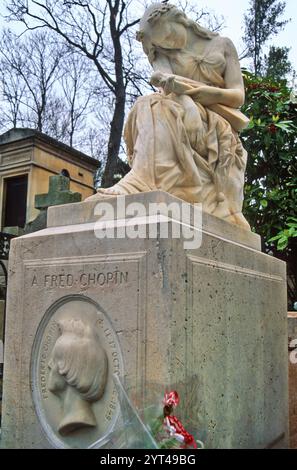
(233,12)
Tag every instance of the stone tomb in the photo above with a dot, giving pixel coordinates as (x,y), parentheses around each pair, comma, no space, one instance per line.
(292,331)
(210,320)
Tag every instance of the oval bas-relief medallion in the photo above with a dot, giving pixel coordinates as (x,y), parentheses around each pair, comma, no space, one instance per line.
(74,357)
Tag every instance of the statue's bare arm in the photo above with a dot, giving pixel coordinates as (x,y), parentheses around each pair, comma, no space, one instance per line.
(232,95)
(233,77)
(163,77)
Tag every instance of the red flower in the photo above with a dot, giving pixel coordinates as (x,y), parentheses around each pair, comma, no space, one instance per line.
(171,399)
(176,429)
(254,86)
(272,129)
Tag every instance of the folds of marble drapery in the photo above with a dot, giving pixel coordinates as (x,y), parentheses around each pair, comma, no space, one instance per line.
(209,170)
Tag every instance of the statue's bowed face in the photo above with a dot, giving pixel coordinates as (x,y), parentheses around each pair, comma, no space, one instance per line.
(168,35)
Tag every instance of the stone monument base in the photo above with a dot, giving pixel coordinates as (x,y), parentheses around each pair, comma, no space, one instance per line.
(292,331)
(209,319)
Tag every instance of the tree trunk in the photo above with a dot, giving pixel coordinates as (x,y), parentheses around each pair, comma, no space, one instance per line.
(115,137)
(117,123)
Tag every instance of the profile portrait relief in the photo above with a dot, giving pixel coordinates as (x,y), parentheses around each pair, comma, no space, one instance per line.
(78,369)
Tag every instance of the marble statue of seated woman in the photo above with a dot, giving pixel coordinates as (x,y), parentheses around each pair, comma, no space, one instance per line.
(184,138)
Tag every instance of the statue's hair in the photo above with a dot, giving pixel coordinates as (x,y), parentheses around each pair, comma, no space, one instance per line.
(80,359)
(159,10)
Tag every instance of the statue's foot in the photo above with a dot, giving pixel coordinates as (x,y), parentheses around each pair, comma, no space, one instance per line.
(223,211)
(105,193)
(240,220)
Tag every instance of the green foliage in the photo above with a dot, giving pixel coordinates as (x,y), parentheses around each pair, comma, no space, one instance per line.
(277,65)
(262,21)
(283,237)
(156,427)
(271,182)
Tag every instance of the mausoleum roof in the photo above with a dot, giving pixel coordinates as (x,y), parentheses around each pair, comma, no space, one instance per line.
(19,134)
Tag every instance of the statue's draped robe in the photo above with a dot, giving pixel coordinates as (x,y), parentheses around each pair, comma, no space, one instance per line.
(162,157)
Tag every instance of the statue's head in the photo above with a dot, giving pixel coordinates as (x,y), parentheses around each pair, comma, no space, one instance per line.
(165,26)
(78,373)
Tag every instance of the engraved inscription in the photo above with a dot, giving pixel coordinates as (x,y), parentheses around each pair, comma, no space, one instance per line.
(82,281)
(112,405)
(43,358)
(114,352)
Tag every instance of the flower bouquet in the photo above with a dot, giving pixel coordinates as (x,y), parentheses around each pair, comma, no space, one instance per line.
(153,427)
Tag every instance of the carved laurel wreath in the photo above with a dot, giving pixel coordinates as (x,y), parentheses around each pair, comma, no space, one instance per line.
(162,10)
(153,17)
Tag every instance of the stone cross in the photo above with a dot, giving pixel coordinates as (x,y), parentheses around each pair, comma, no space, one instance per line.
(58,193)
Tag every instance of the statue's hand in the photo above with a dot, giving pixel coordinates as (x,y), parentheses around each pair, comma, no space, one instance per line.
(158,79)
(163,80)
(169,85)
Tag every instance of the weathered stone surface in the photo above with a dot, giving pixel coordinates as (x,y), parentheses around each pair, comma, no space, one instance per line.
(292,331)
(86,213)
(2,310)
(212,321)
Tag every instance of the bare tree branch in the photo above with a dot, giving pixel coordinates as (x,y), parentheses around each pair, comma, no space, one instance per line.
(101,32)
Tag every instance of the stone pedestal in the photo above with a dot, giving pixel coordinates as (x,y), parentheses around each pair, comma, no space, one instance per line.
(2,312)
(292,331)
(211,320)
